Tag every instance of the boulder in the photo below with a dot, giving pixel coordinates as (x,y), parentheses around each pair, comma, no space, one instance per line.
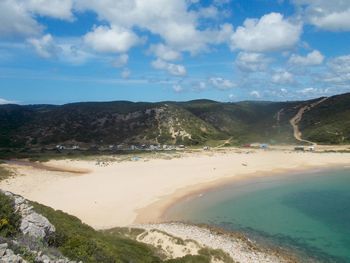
(32,224)
(3,248)
(36,225)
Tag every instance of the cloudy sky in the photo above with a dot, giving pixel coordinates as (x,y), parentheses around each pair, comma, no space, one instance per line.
(59,51)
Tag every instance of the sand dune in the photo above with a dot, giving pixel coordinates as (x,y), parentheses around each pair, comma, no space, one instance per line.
(123,193)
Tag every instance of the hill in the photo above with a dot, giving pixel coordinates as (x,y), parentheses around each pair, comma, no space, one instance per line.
(191,123)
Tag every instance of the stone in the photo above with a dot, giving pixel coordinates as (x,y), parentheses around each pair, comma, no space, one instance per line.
(36,225)
(3,248)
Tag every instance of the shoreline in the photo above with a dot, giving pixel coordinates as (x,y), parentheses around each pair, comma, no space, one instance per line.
(138,194)
(237,245)
(256,250)
(156,212)
(128,192)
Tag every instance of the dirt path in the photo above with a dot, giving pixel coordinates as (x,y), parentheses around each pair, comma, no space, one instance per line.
(298,117)
(228,141)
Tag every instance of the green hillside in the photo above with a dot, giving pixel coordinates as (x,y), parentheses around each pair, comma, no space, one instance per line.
(190,123)
(328,122)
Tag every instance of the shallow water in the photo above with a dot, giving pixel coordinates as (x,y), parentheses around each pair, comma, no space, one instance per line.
(308,212)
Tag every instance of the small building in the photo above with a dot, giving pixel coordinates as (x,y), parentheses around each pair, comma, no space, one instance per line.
(206,148)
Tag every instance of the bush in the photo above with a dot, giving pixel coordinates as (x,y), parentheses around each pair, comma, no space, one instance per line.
(9,220)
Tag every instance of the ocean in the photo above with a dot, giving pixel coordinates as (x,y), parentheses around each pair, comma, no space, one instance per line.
(307,212)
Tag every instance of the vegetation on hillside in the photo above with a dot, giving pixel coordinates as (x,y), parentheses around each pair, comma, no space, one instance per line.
(189,123)
(4,173)
(79,241)
(9,219)
(329,122)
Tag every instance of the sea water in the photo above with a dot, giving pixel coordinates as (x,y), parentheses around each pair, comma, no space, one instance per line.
(308,212)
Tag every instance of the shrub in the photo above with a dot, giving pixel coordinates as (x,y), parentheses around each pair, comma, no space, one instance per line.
(9,220)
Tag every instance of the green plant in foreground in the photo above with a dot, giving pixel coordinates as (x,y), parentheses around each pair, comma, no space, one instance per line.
(9,220)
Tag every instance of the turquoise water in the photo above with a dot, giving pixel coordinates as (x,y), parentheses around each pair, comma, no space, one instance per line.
(308,212)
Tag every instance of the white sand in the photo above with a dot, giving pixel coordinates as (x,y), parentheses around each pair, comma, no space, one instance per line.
(118,194)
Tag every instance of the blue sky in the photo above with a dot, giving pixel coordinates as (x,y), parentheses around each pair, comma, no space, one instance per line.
(60,51)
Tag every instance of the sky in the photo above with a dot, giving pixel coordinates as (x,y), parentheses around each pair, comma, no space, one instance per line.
(62,51)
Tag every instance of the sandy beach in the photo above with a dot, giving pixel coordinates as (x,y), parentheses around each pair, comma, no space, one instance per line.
(138,191)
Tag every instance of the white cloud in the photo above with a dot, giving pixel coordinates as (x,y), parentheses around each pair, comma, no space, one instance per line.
(208,12)
(64,49)
(164,52)
(283,90)
(282,77)
(73,53)
(312,59)
(313,92)
(15,20)
(171,20)
(113,39)
(199,86)
(61,9)
(173,69)
(255,94)
(307,90)
(18,17)
(4,101)
(121,61)
(338,71)
(231,97)
(125,74)
(252,62)
(177,88)
(331,15)
(271,32)
(340,65)
(45,46)
(221,83)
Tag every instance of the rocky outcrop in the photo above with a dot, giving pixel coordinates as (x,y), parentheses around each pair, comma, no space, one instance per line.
(7,255)
(32,224)
(35,230)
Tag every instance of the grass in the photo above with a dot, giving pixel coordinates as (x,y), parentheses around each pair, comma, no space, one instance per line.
(80,242)
(5,173)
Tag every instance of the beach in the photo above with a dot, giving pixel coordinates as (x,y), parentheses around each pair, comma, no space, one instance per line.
(139,190)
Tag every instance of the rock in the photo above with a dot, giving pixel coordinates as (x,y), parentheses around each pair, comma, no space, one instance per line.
(36,225)
(10,257)
(3,248)
(33,224)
